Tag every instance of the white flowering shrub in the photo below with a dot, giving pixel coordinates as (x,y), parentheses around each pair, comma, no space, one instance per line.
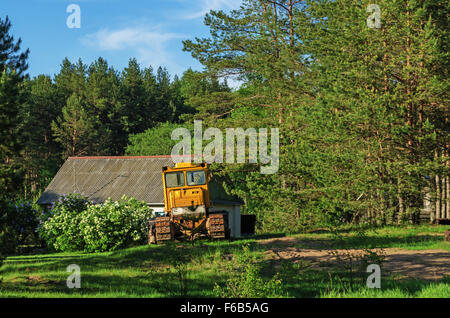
(112,225)
(60,226)
(98,227)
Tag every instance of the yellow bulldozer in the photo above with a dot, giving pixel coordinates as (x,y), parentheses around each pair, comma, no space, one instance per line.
(187,207)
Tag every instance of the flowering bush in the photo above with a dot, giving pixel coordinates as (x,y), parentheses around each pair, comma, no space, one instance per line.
(60,228)
(112,225)
(77,224)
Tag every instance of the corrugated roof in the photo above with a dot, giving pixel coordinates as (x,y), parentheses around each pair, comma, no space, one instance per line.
(100,178)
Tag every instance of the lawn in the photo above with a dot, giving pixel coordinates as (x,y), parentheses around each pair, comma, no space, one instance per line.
(183,270)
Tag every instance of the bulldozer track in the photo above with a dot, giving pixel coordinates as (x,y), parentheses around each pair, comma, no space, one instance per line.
(217,225)
(164,229)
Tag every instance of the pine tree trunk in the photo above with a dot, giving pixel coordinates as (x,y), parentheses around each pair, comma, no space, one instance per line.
(443,200)
(447,199)
(447,187)
(401,207)
(438,197)
(380,213)
(428,203)
(391,202)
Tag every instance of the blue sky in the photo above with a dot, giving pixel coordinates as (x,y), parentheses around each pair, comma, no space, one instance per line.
(117,30)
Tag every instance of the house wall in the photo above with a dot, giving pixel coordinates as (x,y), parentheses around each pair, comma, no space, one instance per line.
(157,208)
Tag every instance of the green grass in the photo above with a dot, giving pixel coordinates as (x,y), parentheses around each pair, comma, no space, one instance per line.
(396,289)
(407,237)
(155,271)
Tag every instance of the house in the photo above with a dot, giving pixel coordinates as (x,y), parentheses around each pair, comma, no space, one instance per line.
(100,178)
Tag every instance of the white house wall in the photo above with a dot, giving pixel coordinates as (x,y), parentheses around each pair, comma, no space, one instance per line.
(157,208)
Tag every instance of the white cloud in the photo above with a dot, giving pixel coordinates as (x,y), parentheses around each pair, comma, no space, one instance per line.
(207,5)
(148,44)
(153,44)
(126,38)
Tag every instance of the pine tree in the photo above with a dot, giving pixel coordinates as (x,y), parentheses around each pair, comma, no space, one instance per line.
(258,44)
(40,154)
(13,64)
(74,129)
(135,117)
(103,105)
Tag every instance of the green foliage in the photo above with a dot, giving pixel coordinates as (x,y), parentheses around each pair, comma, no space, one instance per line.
(151,270)
(42,153)
(23,217)
(176,277)
(77,224)
(60,226)
(1,264)
(113,225)
(248,283)
(154,141)
(13,64)
(18,225)
(8,241)
(361,111)
(74,128)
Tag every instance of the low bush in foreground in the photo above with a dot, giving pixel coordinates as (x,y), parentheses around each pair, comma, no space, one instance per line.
(249,283)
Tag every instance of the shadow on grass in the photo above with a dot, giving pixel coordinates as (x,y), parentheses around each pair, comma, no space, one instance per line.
(133,258)
(157,284)
(265,236)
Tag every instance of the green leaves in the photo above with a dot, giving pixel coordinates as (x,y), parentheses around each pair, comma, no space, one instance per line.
(74,224)
(154,141)
(249,283)
(114,225)
(74,128)
(13,64)
(353,104)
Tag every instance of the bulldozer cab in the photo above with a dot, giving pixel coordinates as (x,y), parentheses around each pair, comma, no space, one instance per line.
(186,189)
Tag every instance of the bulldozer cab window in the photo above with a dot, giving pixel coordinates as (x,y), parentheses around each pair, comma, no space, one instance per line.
(195,177)
(174,179)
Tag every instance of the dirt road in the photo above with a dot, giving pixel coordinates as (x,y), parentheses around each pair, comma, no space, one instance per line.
(402,263)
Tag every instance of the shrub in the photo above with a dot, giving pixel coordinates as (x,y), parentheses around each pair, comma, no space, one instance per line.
(1,264)
(60,228)
(18,225)
(74,223)
(113,225)
(249,283)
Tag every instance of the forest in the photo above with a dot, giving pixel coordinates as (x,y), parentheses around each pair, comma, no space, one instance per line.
(362,111)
